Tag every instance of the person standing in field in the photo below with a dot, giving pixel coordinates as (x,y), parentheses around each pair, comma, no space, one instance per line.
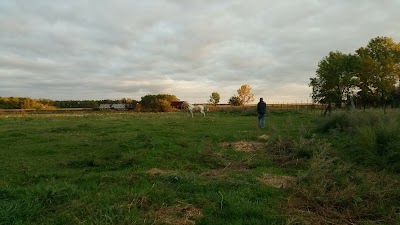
(262,111)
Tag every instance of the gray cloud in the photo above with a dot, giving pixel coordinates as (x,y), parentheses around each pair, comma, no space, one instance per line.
(86,49)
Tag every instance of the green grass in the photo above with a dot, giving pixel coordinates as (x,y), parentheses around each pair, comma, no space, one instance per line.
(93,168)
(168,168)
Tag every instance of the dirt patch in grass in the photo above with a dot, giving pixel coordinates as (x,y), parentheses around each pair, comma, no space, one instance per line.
(280,158)
(245,146)
(178,215)
(214,173)
(219,173)
(156,171)
(278,181)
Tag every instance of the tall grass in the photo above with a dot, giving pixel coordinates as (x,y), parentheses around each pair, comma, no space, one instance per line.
(332,191)
(369,138)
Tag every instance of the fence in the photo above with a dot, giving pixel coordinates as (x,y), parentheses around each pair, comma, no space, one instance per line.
(276,106)
(290,106)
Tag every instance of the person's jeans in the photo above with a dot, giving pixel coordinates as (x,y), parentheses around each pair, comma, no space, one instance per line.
(261,120)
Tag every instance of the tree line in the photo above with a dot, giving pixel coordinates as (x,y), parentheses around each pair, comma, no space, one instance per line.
(43,103)
(22,103)
(367,78)
(153,103)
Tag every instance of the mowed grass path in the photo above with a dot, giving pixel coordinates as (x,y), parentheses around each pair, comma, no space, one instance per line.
(139,168)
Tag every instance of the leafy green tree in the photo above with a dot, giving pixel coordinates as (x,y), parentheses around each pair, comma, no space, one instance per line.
(366,70)
(335,78)
(214,98)
(27,103)
(45,101)
(150,102)
(245,95)
(158,103)
(235,100)
(169,98)
(165,105)
(382,56)
(19,103)
(13,103)
(2,102)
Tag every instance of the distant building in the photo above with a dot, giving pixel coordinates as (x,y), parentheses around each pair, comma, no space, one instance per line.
(177,104)
(119,106)
(115,106)
(105,106)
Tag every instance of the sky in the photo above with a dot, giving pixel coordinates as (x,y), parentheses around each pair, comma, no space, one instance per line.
(101,49)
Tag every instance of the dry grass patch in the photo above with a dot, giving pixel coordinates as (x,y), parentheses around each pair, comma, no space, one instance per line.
(245,146)
(156,171)
(278,181)
(263,137)
(178,215)
(236,166)
(217,173)
(288,161)
(214,173)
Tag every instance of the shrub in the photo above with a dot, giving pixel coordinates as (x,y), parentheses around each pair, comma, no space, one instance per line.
(371,137)
(336,122)
(366,138)
(385,134)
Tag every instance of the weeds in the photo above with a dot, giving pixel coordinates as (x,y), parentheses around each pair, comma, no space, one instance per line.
(367,140)
(371,137)
(331,192)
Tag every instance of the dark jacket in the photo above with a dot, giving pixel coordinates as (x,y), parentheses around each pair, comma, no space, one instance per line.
(262,107)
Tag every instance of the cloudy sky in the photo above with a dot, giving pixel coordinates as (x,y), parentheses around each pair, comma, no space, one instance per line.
(101,49)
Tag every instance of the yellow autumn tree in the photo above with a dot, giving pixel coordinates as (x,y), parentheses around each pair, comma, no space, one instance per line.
(245,95)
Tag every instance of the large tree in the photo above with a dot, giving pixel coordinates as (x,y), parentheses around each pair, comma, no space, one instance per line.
(245,95)
(158,103)
(214,98)
(382,57)
(366,70)
(335,77)
(235,101)
(373,72)
(19,103)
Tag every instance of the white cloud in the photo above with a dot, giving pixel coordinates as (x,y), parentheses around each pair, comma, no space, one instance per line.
(113,49)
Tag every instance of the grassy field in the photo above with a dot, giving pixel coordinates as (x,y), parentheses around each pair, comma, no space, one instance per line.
(168,168)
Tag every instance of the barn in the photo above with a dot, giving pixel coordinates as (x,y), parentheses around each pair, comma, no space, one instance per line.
(177,104)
